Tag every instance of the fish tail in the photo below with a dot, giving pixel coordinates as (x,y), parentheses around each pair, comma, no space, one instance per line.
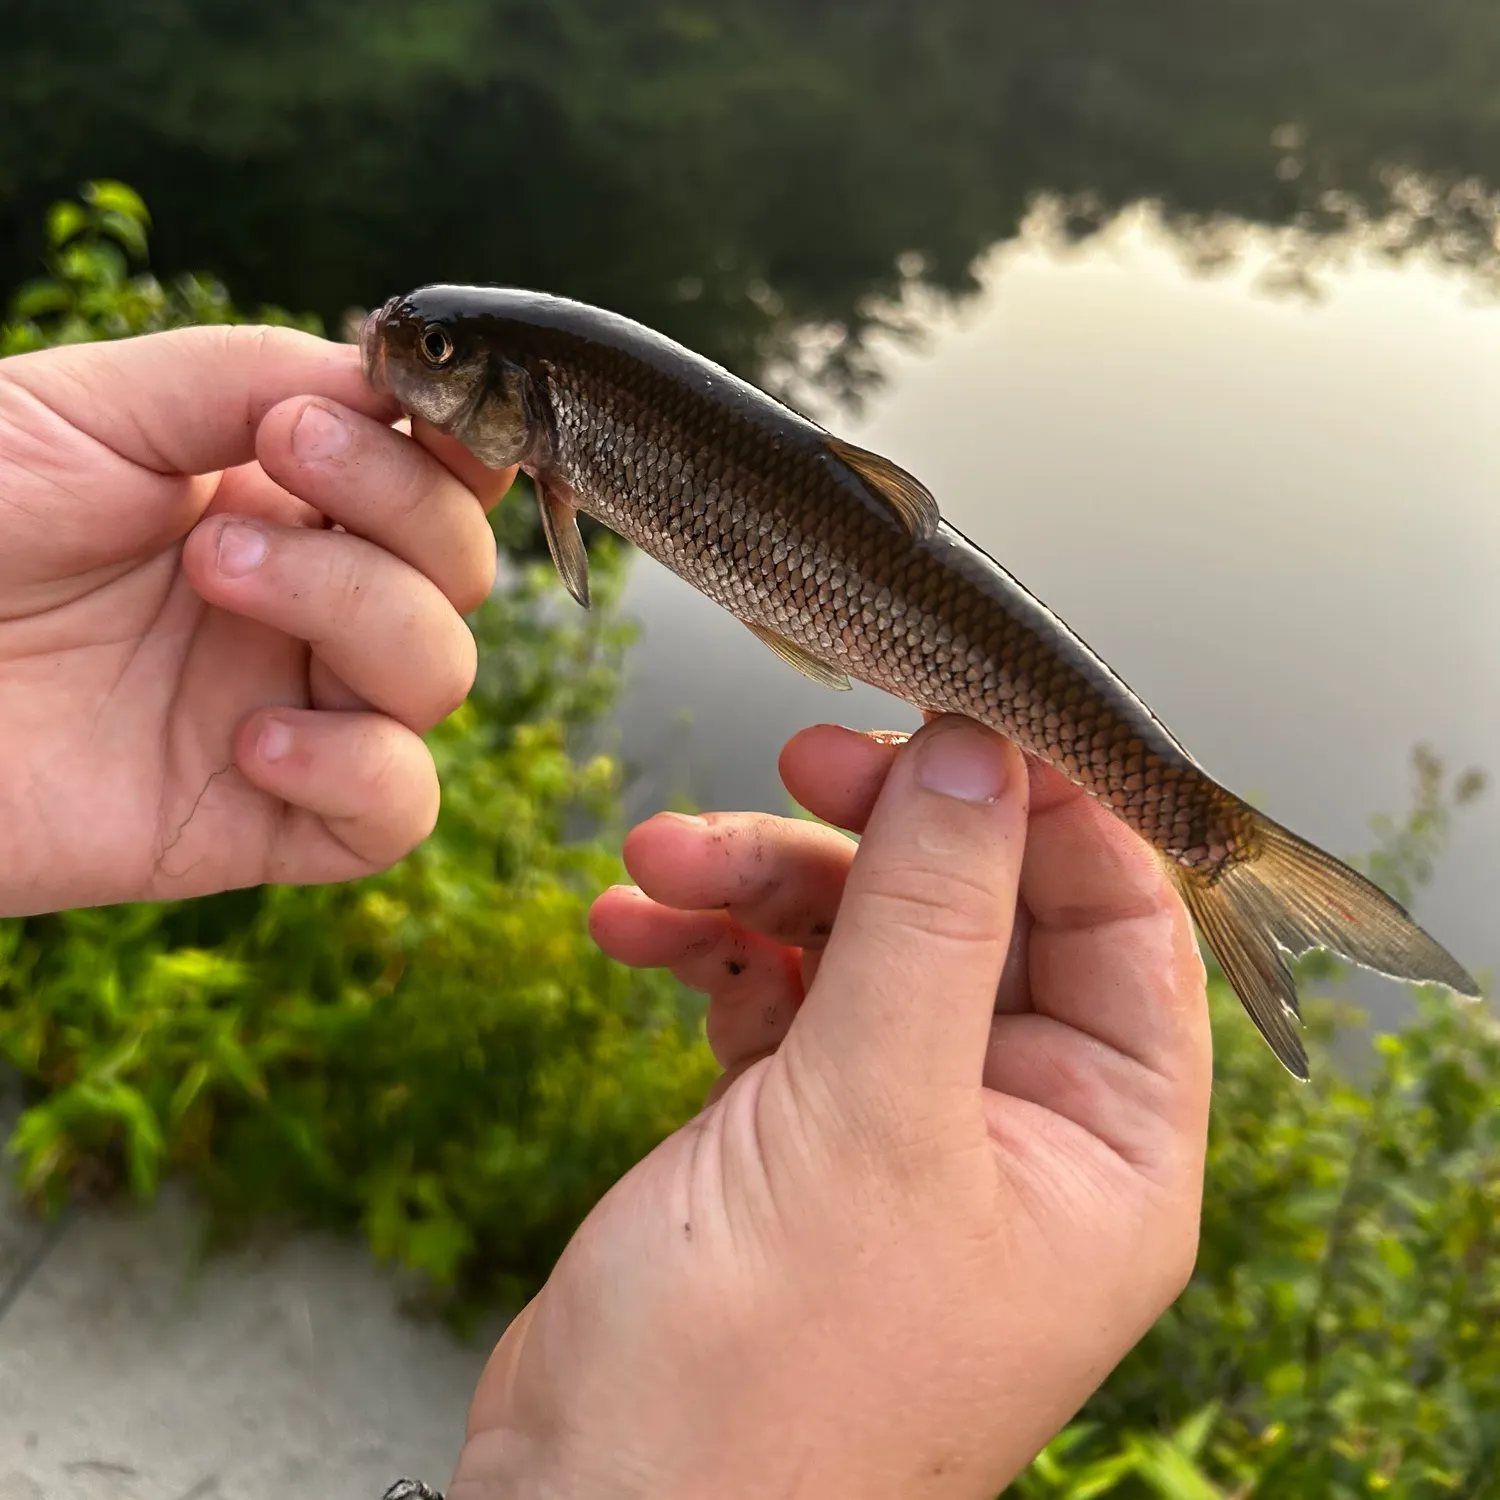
(1290,897)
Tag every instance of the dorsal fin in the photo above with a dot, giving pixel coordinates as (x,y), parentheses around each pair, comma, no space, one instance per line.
(908,499)
(806,663)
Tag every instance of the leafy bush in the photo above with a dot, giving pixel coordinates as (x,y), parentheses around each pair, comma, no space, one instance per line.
(438,1055)
(88,291)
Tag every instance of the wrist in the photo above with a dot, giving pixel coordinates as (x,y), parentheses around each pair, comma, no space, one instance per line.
(796,1465)
(502,1463)
(505,1464)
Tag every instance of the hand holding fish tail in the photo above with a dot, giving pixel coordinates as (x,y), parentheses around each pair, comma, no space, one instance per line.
(907,1236)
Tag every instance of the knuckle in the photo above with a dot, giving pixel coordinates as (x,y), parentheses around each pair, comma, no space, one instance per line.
(409,490)
(947,904)
(452,682)
(347,583)
(425,823)
(249,343)
(472,592)
(770,907)
(403,776)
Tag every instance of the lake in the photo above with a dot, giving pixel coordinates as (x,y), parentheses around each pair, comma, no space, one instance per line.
(1273,515)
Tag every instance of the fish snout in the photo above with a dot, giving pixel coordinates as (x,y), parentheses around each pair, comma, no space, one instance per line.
(372,349)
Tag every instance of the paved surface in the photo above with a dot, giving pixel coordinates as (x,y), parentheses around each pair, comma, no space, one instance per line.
(132,1369)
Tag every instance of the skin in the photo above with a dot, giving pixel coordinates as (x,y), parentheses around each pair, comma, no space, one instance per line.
(952,1173)
(171,724)
(954,1166)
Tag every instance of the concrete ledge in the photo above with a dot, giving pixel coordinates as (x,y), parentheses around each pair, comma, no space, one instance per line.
(132,1370)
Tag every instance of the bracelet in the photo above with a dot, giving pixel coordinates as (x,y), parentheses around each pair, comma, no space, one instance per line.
(411,1489)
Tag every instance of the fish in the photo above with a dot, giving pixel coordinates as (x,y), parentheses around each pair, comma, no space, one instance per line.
(841,563)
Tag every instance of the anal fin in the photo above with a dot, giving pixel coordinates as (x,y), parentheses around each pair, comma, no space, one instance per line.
(564,540)
(806,663)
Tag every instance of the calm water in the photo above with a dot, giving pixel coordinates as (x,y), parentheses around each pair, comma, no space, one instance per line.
(1275,518)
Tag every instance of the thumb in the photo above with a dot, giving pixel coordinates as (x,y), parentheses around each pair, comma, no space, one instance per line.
(905,994)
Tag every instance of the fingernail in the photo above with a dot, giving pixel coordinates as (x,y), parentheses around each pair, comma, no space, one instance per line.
(964,762)
(319,434)
(275,742)
(688,820)
(242,549)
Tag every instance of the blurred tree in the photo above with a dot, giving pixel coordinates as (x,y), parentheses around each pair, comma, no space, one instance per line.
(733,170)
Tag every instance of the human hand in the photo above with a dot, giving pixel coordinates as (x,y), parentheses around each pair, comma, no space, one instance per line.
(175,718)
(952,1173)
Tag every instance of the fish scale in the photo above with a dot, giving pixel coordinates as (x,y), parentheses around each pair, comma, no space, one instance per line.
(842,564)
(835,582)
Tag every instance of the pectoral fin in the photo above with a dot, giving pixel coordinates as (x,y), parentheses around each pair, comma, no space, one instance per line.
(805,663)
(906,497)
(564,541)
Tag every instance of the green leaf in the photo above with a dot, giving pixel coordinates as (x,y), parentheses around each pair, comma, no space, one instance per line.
(127,231)
(185,1095)
(1194,1433)
(1103,1477)
(117,198)
(1071,1437)
(1172,1473)
(237,1065)
(64,220)
(34,299)
(1396,1256)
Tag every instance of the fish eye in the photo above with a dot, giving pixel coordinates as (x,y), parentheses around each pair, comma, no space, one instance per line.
(437,344)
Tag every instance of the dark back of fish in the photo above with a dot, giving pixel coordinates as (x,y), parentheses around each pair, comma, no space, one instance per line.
(839,561)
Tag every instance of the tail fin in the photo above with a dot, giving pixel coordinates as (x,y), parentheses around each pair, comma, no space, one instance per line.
(1292,896)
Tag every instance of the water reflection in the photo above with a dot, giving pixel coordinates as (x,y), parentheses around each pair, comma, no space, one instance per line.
(1274,517)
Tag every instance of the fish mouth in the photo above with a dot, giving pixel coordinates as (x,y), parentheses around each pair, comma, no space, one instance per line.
(372,351)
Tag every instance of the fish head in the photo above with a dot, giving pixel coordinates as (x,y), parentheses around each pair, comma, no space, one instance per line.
(444,366)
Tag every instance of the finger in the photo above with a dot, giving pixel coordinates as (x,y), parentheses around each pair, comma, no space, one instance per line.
(489,485)
(364,788)
(906,991)
(643,934)
(754,985)
(778,876)
(1089,871)
(327,690)
(380,485)
(382,628)
(1112,952)
(746,1024)
(732,1076)
(837,773)
(1153,1122)
(131,394)
(1014,994)
(249,491)
(155,419)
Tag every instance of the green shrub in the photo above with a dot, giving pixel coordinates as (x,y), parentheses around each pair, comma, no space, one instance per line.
(439,1055)
(89,292)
